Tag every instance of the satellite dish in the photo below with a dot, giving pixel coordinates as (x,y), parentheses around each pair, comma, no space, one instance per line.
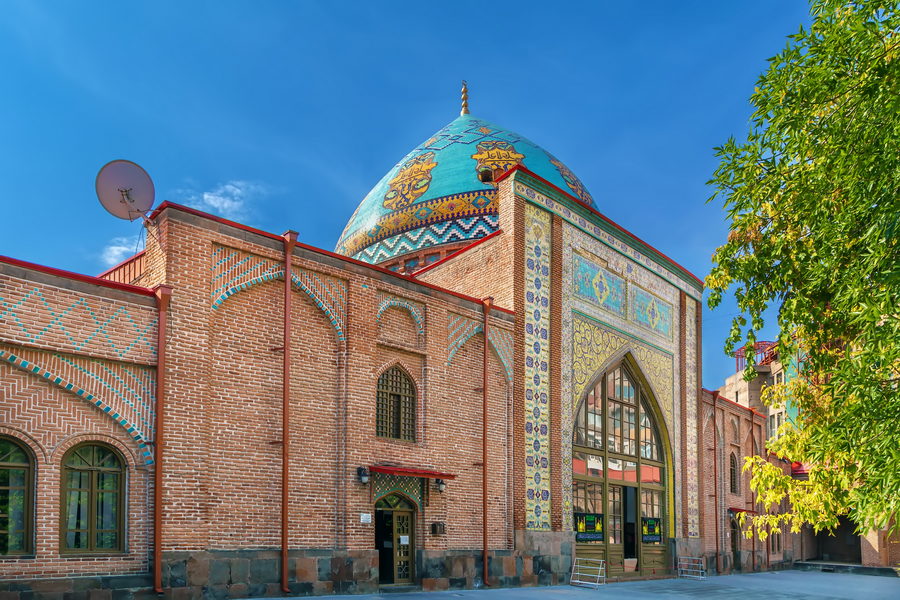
(125,189)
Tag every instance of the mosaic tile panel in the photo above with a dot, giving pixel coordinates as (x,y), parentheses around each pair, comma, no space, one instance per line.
(597,285)
(234,271)
(447,232)
(537,371)
(690,374)
(597,232)
(416,310)
(460,329)
(385,483)
(124,393)
(651,312)
(114,330)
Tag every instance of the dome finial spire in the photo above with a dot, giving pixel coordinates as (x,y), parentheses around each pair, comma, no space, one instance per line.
(465,98)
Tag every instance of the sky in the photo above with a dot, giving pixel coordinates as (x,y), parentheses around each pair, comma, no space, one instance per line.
(283,115)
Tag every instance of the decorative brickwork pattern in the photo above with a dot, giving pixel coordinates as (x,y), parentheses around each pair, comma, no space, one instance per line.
(235,270)
(416,310)
(124,393)
(461,329)
(502,342)
(607,238)
(44,316)
(537,374)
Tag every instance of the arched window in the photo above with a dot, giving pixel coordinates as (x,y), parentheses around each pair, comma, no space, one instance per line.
(396,410)
(618,471)
(93,500)
(16,491)
(735,486)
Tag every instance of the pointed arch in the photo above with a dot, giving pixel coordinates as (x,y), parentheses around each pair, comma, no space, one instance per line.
(625,356)
(132,429)
(414,311)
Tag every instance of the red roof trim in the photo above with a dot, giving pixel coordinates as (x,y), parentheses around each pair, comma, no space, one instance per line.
(596,212)
(411,472)
(721,397)
(127,260)
(347,259)
(125,287)
(457,253)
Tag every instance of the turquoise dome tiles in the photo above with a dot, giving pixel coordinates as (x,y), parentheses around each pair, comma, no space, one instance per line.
(433,195)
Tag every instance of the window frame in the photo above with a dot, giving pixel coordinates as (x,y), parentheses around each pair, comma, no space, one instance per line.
(396,409)
(734,476)
(29,496)
(93,493)
(606,392)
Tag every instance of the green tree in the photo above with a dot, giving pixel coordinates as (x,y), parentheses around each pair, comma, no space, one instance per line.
(813,196)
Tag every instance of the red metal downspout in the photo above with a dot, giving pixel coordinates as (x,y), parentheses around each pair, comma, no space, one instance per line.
(752,493)
(715,396)
(486,304)
(290,240)
(163,294)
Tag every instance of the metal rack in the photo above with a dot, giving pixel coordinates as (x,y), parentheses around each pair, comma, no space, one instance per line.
(691,567)
(588,572)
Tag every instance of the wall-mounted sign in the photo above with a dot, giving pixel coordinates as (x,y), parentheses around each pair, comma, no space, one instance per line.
(365,517)
(651,530)
(588,527)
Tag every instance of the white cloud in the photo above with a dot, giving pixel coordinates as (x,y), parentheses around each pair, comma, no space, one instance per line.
(231,199)
(118,249)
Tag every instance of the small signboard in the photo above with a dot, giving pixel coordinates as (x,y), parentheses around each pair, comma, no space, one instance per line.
(365,517)
(651,530)
(588,527)
(404,540)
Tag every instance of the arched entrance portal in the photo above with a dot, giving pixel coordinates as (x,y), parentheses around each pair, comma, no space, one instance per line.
(394,531)
(619,469)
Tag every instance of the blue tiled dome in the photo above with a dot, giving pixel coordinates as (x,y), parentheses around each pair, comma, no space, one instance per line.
(433,195)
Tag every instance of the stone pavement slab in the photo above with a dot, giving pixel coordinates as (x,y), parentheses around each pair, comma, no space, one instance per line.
(773,585)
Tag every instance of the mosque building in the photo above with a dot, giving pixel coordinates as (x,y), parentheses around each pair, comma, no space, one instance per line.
(486,371)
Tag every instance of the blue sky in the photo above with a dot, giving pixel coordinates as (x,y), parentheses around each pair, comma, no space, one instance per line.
(283,115)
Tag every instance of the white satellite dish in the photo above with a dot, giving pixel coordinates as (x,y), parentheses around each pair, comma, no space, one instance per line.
(125,189)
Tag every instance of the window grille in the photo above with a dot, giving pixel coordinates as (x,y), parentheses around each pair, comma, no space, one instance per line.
(396,406)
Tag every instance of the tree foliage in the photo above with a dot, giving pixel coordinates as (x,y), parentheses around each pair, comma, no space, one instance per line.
(813,196)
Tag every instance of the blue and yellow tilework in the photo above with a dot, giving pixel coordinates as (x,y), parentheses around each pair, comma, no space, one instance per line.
(537,370)
(434,194)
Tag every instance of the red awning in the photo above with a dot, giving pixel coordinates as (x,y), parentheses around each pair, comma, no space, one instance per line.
(739,510)
(410,472)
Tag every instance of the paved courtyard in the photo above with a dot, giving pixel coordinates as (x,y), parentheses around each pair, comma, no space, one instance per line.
(774,585)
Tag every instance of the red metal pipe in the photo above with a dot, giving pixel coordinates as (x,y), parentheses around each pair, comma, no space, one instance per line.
(715,396)
(752,493)
(486,304)
(290,240)
(163,295)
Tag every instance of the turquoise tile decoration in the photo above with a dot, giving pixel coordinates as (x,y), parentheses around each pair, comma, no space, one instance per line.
(598,286)
(433,195)
(102,319)
(234,271)
(460,330)
(651,312)
(415,311)
(128,399)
